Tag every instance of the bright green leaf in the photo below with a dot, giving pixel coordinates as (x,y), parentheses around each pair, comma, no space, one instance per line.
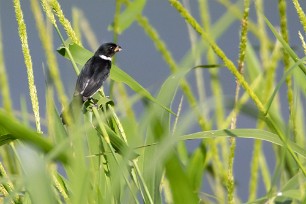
(283,79)
(244,133)
(129,15)
(182,191)
(21,132)
(287,47)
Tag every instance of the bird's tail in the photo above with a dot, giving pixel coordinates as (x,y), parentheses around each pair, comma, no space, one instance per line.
(72,112)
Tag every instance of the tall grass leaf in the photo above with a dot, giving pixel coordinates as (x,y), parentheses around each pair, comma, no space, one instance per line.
(296,181)
(283,79)
(60,133)
(181,188)
(21,132)
(81,55)
(129,15)
(36,176)
(244,133)
(158,120)
(287,47)
(196,166)
(287,196)
(119,75)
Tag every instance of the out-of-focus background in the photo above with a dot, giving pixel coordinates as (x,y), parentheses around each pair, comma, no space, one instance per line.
(141,59)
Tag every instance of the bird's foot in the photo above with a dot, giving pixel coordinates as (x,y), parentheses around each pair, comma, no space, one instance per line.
(90,103)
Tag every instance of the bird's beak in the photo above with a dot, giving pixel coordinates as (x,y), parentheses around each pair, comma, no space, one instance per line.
(118,49)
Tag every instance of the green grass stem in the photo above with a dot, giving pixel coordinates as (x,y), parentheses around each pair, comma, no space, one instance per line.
(4,85)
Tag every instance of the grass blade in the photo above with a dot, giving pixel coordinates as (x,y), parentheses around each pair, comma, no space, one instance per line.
(244,133)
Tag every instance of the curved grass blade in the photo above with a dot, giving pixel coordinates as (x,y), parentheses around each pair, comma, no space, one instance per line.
(283,79)
(119,75)
(79,54)
(181,187)
(129,15)
(19,131)
(244,133)
(286,46)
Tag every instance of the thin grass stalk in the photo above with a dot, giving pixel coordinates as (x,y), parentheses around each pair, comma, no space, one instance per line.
(211,58)
(4,85)
(216,88)
(254,169)
(22,30)
(202,95)
(46,40)
(123,95)
(257,151)
(286,59)
(181,146)
(143,183)
(64,21)
(242,50)
(266,176)
(197,60)
(300,13)
(205,20)
(264,46)
(299,110)
(270,66)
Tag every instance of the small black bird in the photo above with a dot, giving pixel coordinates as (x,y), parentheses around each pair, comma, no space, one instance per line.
(94,73)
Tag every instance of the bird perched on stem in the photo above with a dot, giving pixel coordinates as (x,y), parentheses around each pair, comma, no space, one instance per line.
(91,78)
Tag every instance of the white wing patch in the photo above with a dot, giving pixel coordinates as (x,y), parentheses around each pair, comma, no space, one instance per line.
(84,87)
(105,58)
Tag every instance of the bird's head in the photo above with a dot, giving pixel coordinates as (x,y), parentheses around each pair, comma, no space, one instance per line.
(108,49)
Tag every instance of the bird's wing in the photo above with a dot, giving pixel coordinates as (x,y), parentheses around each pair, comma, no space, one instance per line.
(92,76)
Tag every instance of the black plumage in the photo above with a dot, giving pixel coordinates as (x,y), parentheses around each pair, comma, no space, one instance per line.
(94,73)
